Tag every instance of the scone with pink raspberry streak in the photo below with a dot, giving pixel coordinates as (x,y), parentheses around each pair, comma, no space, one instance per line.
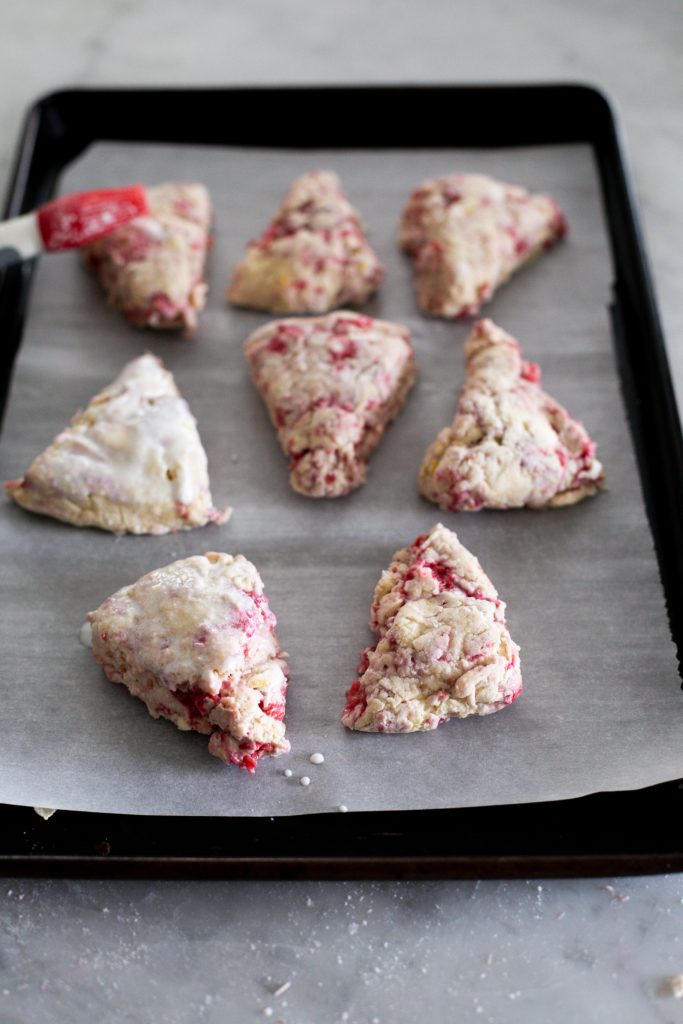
(443,649)
(331,385)
(313,256)
(510,443)
(131,462)
(467,233)
(152,269)
(195,641)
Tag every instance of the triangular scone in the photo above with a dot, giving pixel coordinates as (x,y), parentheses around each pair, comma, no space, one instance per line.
(443,649)
(152,269)
(467,233)
(131,462)
(510,443)
(312,257)
(196,642)
(331,385)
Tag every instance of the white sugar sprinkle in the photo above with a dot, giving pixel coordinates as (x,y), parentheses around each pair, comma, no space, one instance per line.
(45,812)
(287,773)
(86,634)
(305,781)
(316,758)
(268,1011)
(342,808)
(282,989)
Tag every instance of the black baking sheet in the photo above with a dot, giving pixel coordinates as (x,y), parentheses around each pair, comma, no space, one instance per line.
(628,347)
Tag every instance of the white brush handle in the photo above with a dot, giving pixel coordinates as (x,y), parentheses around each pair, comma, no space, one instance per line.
(19,239)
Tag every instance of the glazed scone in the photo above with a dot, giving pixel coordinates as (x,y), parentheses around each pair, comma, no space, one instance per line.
(442,650)
(331,384)
(467,233)
(510,443)
(152,269)
(131,462)
(313,256)
(195,641)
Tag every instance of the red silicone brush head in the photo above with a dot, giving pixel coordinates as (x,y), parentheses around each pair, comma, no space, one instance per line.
(75,220)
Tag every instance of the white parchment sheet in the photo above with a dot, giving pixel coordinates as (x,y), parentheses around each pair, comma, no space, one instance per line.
(601,707)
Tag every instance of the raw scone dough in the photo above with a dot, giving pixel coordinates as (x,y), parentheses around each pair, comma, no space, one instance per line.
(131,462)
(467,233)
(195,641)
(331,385)
(313,256)
(152,269)
(443,649)
(510,443)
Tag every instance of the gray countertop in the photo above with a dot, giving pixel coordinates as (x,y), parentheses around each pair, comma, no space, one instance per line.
(358,952)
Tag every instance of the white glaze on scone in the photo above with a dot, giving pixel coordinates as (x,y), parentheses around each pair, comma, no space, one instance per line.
(131,462)
(467,233)
(195,641)
(443,649)
(331,385)
(510,443)
(152,269)
(312,257)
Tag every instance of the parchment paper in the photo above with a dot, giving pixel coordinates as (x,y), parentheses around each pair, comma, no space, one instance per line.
(601,706)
